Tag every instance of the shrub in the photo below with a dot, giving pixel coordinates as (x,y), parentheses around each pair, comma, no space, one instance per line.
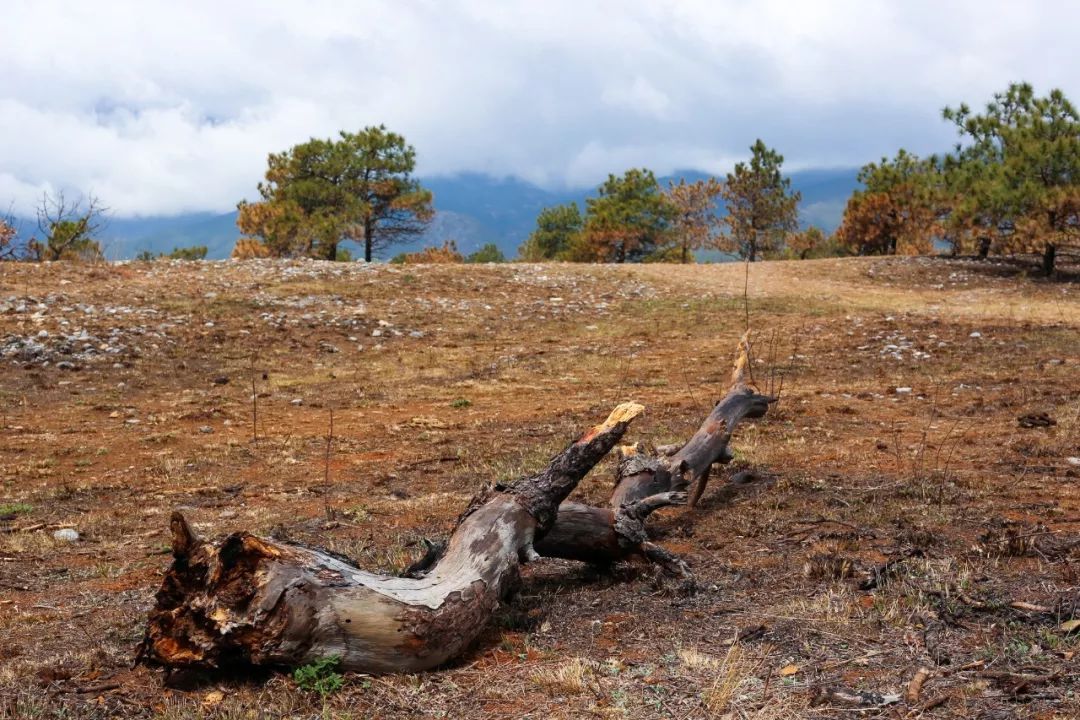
(448,253)
(489,253)
(195,252)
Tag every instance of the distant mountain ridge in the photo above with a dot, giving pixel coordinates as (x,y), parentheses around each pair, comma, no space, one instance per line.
(471,208)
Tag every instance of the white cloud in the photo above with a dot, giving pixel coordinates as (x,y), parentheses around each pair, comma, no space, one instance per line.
(167,107)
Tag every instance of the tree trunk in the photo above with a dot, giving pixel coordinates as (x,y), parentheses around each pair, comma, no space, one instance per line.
(1049,259)
(369,229)
(984,247)
(687,469)
(251,600)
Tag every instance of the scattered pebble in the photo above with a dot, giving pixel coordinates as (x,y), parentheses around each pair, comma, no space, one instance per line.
(66,535)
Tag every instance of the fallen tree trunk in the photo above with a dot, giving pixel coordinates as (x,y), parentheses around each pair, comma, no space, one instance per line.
(253,600)
(687,469)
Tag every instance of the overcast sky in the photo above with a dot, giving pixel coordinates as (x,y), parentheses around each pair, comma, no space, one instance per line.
(167,107)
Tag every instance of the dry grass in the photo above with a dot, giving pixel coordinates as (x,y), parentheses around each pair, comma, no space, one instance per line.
(567,678)
(936,494)
(733,671)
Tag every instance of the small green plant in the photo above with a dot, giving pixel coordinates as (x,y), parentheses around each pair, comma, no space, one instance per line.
(489,253)
(195,252)
(321,676)
(15,508)
(359,514)
(461,403)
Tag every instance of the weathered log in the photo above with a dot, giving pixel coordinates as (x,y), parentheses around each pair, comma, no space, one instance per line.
(687,468)
(257,601)
(262,602)
(603,536)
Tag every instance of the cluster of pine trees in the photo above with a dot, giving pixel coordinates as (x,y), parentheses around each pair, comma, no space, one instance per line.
(633,219)
(1011,185)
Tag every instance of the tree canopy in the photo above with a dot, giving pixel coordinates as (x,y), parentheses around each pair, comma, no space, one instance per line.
(1009,186)
(556,230)
(896,212)
(321,193)
(695,221)
(762,207)
(628,220)
(1017,170)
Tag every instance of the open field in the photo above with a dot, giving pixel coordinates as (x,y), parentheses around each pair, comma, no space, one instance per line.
(890,513)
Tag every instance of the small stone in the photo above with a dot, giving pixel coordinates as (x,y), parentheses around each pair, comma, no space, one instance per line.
(903,391)
(65,365)
(226,514)
(221,380)
(596,626)
(975,334)
(206,429)
(66,535)
(297,402)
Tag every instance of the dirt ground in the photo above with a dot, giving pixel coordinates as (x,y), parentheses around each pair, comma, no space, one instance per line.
(892,512)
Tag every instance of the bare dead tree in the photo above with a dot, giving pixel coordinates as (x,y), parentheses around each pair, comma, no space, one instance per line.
(70,227)
(254,600)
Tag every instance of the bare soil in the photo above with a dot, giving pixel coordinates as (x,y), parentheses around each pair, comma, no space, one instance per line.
(911,502)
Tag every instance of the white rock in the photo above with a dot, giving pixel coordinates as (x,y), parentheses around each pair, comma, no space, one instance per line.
(66,535)
(903,391)
(975,334)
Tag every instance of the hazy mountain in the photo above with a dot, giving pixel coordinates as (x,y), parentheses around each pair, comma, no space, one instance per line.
(472,209)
